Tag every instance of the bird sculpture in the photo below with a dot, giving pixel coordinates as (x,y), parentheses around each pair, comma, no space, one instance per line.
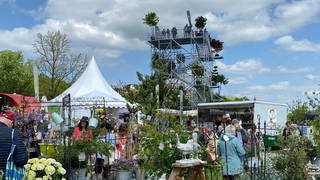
(190,147)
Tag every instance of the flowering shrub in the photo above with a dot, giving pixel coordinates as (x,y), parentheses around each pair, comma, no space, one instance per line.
(26,123)
(124,163)
(43,168)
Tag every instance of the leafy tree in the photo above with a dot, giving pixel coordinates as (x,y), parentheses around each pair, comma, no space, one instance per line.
(151,19)
(146,94)
(16,76)
(298,111)
(44,86)
(228,98)
(56,60)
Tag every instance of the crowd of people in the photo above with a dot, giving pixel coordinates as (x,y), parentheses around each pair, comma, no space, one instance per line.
(230,141)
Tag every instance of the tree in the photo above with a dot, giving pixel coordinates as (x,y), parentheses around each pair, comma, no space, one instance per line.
(298,111)
(57,62)
(151,19)
(16,76)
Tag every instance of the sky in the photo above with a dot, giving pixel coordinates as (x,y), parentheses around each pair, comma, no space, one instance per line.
(271,47)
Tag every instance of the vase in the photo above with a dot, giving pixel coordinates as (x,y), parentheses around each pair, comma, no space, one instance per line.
(124,175)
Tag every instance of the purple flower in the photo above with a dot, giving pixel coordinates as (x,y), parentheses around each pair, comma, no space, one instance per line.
(124,163)
(26,123)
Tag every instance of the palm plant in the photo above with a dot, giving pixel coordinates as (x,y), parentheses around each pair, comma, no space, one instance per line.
(200,22)
(151,19)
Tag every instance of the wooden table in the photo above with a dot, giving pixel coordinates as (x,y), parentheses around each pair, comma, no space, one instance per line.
(195,171)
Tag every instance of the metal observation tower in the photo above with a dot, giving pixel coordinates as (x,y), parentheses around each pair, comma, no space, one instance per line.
(190,58)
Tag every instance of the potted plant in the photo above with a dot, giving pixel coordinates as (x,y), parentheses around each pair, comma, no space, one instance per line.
(124,167)
(200,24)
(219,79)
(197,69)
(151,19)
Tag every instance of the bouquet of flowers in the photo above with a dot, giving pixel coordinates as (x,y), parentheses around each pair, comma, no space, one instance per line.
(124,163)
(43,168)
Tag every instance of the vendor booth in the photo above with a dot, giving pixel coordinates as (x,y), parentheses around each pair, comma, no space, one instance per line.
(91,91)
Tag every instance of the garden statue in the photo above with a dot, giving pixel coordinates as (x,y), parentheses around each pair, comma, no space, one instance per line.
(190,148)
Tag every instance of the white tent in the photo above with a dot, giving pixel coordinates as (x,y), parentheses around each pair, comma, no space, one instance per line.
(91,89)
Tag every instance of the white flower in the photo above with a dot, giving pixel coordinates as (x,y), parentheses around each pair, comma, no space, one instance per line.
(50,170)
(40,167)
(51,161)
(57,164)
(61,170)
(33,160)
(27,166)
(34,167)
(31,174)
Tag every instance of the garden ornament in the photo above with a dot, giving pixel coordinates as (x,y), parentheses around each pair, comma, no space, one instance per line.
(191,147)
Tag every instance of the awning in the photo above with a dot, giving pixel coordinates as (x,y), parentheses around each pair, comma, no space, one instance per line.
(25,103)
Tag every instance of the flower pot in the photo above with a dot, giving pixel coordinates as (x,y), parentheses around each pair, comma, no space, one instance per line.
(57,118)
(93,122)
(124,175)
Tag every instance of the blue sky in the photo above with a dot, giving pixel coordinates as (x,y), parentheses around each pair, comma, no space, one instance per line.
(271,47)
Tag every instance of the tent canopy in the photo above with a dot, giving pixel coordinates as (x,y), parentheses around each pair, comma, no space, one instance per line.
(92,88)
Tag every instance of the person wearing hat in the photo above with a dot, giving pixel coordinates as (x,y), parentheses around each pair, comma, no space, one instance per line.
(82,130)
(7,119)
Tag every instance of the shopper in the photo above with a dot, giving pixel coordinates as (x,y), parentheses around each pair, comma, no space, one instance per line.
(230,151)
(7,119)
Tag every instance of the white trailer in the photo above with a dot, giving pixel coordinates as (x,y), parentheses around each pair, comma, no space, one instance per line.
(274,115)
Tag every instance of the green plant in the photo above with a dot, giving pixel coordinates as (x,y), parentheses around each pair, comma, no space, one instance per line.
(197,69)
(219,78)
(290,162)
(316,133)
(151,19)
(201,22)
(157,144)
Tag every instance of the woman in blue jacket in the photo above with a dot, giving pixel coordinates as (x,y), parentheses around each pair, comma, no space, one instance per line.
(230,151)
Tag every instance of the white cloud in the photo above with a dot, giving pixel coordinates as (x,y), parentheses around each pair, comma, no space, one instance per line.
(279,86)
(245,66)
(282,69)
(312,77)
(239,80)
(275,86)
(287,42)
(118,23)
